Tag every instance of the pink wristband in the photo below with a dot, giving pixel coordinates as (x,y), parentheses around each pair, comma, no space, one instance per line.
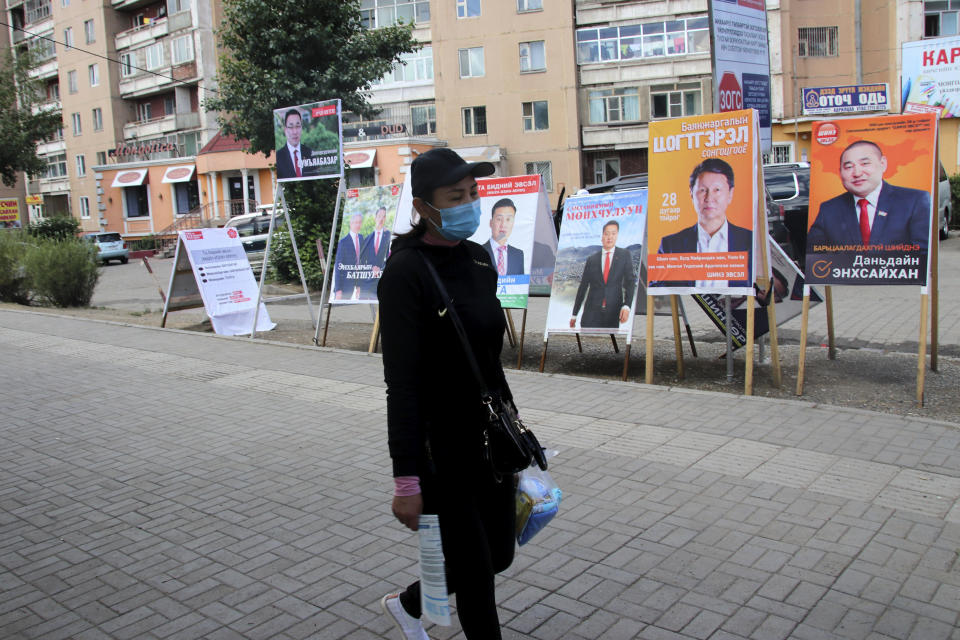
(404,486)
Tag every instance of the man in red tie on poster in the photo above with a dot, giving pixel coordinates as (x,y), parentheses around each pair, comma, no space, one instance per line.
(872,212)
(607,284)
(505,258)
(290,156)
(376,248)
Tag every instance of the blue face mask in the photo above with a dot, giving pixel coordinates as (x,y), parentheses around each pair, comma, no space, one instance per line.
(459,222)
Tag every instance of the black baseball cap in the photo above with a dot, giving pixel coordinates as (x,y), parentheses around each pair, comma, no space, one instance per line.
(442,166)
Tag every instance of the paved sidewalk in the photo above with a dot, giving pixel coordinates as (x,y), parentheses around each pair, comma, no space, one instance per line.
(164,484)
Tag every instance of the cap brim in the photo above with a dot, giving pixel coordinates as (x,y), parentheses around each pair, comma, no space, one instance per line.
(475,169)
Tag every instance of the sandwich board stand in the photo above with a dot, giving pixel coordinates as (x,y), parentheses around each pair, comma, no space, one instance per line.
(718,245)
(211,270)
(363,244)
(885,167)
(599,253)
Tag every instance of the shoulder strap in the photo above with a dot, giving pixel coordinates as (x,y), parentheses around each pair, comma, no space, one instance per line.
(458,326)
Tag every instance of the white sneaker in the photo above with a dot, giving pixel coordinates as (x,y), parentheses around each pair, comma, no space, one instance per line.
(410,627)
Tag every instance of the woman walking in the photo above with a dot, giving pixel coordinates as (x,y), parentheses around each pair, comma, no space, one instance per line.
(434,415)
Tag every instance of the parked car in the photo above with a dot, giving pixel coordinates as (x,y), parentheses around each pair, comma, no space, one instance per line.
(253,229)
(110,246)
(789,186)
(944,202)
(775,217)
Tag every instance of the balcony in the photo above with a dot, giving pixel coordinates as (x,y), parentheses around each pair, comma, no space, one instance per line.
(616,135)
(45,70)
(130,5)
(50,105)
(161,126)
(144,84)
(52,148)
(142,33)
(54,185)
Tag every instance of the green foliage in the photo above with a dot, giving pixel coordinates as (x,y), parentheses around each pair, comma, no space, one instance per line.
(56,228)
(280,53)
(62,272)
(309,224)
(20,127)
(955,200)
(315,136)
(14,286)
(147,243)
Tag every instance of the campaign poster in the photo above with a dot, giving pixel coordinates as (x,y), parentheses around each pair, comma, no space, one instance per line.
(845,99)
(544,247)
(741,59)
(931,77)
(10,214)
(870,208)
(225,279)
(598,258)
(508,214)
(703,205)
(785,290)
(369,215)
(309,141)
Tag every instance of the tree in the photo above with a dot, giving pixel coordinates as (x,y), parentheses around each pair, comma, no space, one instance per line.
(280,53)
(20,128)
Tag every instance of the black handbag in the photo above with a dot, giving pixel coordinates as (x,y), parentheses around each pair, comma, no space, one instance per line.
(508,445)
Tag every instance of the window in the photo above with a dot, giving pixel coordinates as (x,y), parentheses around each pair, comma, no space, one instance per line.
(535,116)
(64,3)
(84,207)
(413,67)
(545,169)
(43,48)
(383,13)
(37,10)
(176,6)
(468,8)
(675,103)
(474,121)
(941,18)
(94,72)
(76,124)
(529,5)
(187,197)
(533,56)
(126,65)
(471,62)
(181,49)
(817,42)
(56,167)
(424,118)
(98,119)
(144,111)
(101,157)
(605,169)
(88,32)
(782,152)
(640,41)
(68,37)
(136,204)
(169,105)
(53,91)
(72,81)
(614,105)
(154,54)
(81,165)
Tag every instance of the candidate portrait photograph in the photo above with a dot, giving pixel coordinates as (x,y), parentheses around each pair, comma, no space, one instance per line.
(607,285)
(505,258)
(374,249)
(871,212)
(292,153)
(350,256)
(711,192)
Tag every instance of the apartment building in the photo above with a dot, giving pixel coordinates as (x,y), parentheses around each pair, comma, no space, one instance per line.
(637,62)
(824,43)
(13,206)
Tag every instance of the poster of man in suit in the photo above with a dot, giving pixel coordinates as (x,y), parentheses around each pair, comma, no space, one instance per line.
(704,204)
(870,207)
(364,243)
(598,261)
(308,141)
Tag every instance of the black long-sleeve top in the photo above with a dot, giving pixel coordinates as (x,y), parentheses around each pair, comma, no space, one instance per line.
(433,398)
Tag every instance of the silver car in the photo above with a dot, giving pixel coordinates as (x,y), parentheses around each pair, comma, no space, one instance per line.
(110,246)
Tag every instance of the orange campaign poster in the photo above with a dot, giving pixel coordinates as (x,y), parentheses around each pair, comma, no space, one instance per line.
(703,204)
(870,212)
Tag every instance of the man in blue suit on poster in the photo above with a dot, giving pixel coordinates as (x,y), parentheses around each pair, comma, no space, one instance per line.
(374,252)
(348,265)
(872,212)
(607,284)
(711,189)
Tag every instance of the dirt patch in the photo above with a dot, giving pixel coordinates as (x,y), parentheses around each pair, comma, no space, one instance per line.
(866,378)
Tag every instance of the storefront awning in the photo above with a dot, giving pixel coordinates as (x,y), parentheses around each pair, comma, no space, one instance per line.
(479,154)
(359,158)
(129,178)
(179,173)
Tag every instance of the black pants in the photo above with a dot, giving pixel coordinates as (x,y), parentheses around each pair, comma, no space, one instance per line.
(478,535)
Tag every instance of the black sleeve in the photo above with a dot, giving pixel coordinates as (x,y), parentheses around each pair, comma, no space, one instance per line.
(401,295)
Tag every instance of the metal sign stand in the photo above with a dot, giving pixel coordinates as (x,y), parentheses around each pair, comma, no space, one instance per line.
(327,272)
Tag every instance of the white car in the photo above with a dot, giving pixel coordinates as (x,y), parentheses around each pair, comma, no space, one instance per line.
(944,203)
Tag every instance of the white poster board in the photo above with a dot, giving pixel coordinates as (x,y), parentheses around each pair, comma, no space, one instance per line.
(222,274)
